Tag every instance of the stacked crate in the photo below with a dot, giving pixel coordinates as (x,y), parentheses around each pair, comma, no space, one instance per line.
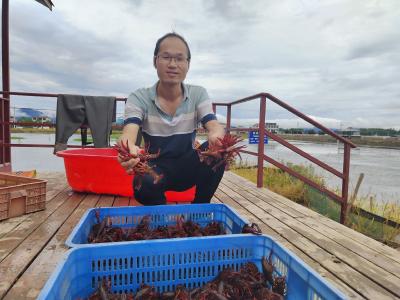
(20,195)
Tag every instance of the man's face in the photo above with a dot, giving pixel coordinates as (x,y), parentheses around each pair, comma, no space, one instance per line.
(172,61)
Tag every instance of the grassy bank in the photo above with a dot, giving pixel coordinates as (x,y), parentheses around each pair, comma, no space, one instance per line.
(282,183)
(33,130)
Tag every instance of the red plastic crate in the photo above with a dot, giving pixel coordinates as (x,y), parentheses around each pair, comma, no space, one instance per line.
(97,170)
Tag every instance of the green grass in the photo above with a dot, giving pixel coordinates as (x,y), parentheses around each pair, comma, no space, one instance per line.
(282,183)
(17,138)
(288,186)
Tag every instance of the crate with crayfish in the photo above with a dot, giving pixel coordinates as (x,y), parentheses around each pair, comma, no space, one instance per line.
(20,195)
(200,268)
(116,224)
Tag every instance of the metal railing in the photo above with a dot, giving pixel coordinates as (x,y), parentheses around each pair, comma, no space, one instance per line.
(343,175)
(262,131)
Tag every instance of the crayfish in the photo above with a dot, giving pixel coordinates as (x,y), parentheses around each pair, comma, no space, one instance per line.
(142,167)
(246,283)
(278,283)
(252,228)
(221,155)
(104,231)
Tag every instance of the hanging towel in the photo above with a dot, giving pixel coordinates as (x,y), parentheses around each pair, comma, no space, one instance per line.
(72,110)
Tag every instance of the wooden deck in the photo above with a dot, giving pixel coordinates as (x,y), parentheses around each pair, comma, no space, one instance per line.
(32,245)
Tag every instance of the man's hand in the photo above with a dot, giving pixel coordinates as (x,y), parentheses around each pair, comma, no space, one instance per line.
(128,165)
(213,139)
(129,135)
(215,132)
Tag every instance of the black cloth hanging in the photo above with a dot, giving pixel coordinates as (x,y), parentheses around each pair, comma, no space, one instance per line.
(72,111)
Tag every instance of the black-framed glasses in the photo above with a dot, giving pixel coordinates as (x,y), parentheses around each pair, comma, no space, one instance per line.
(167,59)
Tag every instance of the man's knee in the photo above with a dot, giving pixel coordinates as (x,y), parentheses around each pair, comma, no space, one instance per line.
(149,192)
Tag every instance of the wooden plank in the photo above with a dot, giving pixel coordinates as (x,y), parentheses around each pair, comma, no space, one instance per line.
(121,201)
(349,233)
(17,261)
(105,201)
(331,277)
(7,225)
(351,244)
(364,266)
(29,285)
(346,273)
(56,181)
(134,202)
(15,236)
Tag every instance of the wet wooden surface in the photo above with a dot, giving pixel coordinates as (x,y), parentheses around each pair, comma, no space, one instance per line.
(362,268)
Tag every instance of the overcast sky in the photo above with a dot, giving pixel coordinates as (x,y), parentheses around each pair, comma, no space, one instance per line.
(335,60)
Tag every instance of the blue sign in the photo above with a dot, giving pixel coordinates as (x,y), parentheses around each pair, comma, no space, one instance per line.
(254,138)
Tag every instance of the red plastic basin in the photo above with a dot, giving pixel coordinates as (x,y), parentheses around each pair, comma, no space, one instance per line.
(97,170)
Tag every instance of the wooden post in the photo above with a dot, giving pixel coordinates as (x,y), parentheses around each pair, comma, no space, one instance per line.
(228,118)
(261,133)
(5,151)
(345,183)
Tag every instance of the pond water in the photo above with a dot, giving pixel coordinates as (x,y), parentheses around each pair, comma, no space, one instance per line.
(380,166)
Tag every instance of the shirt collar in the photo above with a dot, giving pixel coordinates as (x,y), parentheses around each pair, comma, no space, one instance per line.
(153,92)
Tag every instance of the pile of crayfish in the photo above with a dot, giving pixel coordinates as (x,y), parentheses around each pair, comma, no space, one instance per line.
(142,167)
(247,283)
(104,232)
(223,155)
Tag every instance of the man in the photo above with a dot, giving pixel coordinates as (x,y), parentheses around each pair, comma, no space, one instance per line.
(168,114)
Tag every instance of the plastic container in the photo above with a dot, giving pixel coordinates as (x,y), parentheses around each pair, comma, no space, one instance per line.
(130,216)
(20,195)
(96,170)
(190,262)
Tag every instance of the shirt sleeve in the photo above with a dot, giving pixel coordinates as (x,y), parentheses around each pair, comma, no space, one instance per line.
(204,109)
(135,109)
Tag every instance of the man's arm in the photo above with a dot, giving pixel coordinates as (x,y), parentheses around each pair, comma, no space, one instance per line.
(215,131)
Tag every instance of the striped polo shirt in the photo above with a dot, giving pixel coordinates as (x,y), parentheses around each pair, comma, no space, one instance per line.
(173,135)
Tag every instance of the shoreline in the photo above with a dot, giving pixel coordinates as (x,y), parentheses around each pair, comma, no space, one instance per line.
(361,141)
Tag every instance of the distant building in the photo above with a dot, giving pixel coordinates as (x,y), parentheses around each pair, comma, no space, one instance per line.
(349,132)
(12,120)
(273,127)
(42,120)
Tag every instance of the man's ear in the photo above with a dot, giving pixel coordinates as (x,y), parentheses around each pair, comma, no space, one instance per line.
(154,61)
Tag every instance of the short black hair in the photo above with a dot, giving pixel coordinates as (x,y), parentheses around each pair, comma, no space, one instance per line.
(171,34)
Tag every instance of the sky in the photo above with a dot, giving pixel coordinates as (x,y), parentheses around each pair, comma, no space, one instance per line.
(337,61)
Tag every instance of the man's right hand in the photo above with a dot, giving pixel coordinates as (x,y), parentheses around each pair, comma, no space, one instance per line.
(128,165)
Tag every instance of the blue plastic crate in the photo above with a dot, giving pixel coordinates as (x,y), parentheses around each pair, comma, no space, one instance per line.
(130,216)
(190,261)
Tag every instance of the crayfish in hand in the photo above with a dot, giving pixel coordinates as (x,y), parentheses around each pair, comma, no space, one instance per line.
(142,167)
(224,154)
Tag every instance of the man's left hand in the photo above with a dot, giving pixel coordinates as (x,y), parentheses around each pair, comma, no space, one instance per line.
(213,139)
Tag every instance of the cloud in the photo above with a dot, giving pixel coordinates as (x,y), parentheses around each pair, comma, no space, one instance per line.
(335,60)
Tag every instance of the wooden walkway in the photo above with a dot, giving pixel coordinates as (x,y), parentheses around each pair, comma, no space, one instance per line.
(32,245)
